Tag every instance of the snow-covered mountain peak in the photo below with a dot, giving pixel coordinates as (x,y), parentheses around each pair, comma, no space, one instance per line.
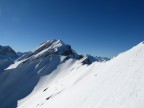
(7,56)
(47,51)
(51,44)
(50,75)
(6,49)
(7,52)
(51,47)
(117,83)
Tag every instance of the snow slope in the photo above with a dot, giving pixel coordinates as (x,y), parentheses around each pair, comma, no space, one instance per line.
(118,83)
(19,79)
(54,76)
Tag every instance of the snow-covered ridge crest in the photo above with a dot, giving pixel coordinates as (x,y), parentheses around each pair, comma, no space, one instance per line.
(50,44)
(117,83)
(135,49)
(49,79)
(53,47)
(50,48)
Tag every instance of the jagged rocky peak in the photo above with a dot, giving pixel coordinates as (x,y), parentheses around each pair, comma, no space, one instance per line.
(51,44)
(7,52)
(54,47)
(6,49)
(102,59)
(89,59)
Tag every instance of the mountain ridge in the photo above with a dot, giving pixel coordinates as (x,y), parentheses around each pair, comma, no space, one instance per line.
(48,75)
(117,83)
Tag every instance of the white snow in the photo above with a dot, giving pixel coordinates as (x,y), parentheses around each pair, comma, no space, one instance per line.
(51,45)
(13,66)
(118,83)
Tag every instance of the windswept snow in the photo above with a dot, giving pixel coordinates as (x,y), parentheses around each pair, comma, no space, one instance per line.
(19,79)
(55,76)
(117,83)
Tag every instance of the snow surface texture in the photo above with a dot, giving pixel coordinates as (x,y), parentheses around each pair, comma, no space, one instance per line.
(19,79)
(55,76)
(114,84)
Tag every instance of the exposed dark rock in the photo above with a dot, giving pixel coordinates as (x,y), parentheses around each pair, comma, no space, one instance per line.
(45,89)
(48,98)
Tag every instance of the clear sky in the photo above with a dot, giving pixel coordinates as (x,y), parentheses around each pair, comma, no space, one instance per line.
(97,27)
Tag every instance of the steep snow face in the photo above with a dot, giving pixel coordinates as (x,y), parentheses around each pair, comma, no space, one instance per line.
(118,83)
(7,56)
(23,75)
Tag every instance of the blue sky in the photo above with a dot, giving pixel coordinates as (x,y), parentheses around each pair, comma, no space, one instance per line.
(97,27)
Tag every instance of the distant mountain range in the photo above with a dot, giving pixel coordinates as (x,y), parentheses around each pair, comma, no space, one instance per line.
(8,55)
